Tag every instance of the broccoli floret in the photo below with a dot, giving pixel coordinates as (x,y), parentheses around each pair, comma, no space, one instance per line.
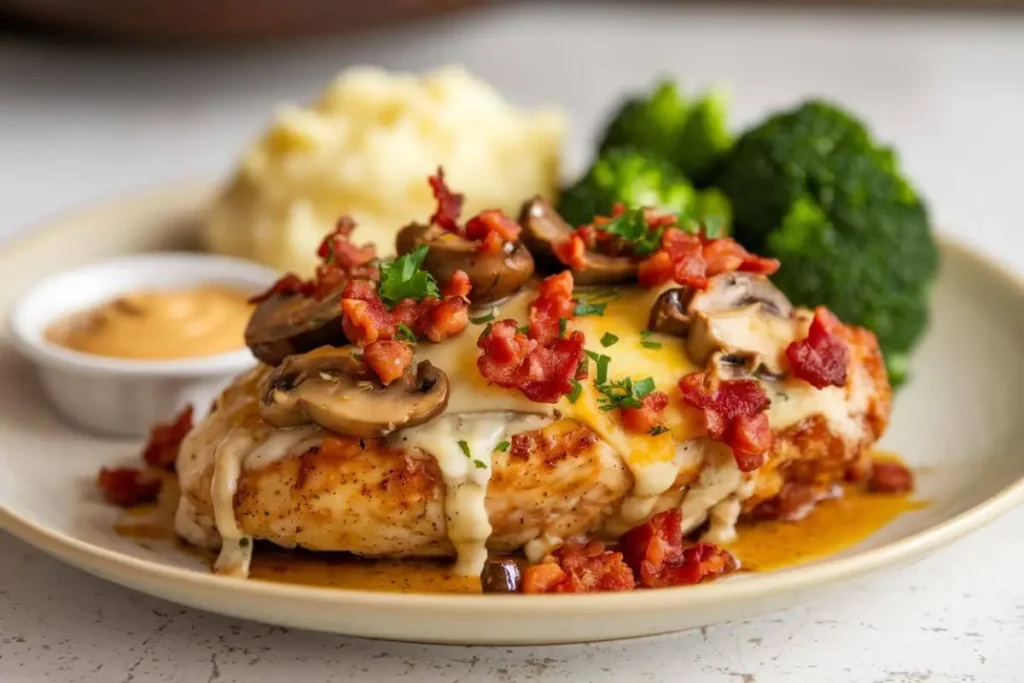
(629,177)
(812,188)
(690,137)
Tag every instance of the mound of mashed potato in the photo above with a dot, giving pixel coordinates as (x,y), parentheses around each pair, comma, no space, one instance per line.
(365,149)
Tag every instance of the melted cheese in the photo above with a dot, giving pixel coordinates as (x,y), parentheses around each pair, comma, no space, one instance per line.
(463,444)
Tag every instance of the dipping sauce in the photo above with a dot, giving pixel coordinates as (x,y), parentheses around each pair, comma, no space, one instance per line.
(159,325)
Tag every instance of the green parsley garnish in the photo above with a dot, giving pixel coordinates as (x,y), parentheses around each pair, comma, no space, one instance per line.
(608,339)
(404,278)
(602,366)
(563,324)
(485,318)
(657,429)
(603,293)
(465,448)
(631,227)
(577,389)
(624,393)
(646,342)
(404,333)
(583,307)
(480,464)
(502,446)
(525,329)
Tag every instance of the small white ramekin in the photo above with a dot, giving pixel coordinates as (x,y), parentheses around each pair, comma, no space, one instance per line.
(119,396)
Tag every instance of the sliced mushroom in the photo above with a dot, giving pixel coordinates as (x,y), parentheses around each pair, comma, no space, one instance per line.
(740,314)
(494,275)
(543,228)
(286,324)
(334,388)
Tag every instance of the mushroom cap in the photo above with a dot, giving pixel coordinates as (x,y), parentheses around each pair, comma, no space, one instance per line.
(543,227)
(335,389)
(494,275)
(286,324)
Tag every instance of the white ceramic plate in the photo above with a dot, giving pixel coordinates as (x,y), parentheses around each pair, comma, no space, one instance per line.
(958,421)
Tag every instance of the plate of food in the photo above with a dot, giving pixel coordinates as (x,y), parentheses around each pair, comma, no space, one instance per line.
(715,376)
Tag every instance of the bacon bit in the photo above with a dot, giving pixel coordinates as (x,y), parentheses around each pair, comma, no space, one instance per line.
(727,255)
(512,360)
(648,415)
(795,501)
(365,318)
(459,285)
(654,550)
(288,284)
(128,486)
(165,440)
(821,358)
(553,302)
(442,318)
(449,204)
(337,248)
(891,477)
(734,413)
(492,228)
(655,270)
(579,568)
(388,359)
(572,251)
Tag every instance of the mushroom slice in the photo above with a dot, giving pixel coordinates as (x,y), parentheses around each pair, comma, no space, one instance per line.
(543,228)
(742,314)
(286,324)
(494,275)
(334,388)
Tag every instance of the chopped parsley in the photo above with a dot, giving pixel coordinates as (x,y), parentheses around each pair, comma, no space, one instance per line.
(404,278)
(577,389)
(631,227)
(465,448)
(608,339)
(624,393)
(602,366)
(404,333)
(480,464)
(646,342)
(584,307)
(563,324)
(603,293)
(243,542)
(525,329)
(657,429)
(485,318)
(502,446)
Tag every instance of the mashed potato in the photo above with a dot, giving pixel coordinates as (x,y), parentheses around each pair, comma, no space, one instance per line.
(365,149)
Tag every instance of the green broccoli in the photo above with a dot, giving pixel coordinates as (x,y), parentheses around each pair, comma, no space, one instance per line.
(690,137)
(629,177)
(812,188)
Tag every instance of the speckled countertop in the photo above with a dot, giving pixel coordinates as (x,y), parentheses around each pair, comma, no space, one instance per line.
(79,123)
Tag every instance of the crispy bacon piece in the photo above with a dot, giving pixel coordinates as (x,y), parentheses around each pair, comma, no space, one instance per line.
(654,550)
(655,270)
(512,360)
(442,318)
(365,317)
(648,415)
(288,284)
(337,248)
(579,568)
(734,414)
(572,251)
(492,228)
(890,477)
(553,302)
(388,359)
(821,358)
(726,256)
(449,204)
(459,285)
(165,440)
(128,486)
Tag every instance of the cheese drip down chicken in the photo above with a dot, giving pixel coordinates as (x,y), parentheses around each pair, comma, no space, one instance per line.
(503,385)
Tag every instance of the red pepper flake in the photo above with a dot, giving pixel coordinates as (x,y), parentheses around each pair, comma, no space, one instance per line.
(734,414)
(388,359)
(890,477)
(579,568)
(165,440)
(128,486)
(449,204)
(821,358)
(648,415)
(654,550)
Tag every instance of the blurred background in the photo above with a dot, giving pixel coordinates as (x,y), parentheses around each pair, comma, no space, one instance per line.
(102,97)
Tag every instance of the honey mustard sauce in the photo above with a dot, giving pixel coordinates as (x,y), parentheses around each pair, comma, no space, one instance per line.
(159,325)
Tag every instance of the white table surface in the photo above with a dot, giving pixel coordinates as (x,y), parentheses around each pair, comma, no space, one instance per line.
(78,123)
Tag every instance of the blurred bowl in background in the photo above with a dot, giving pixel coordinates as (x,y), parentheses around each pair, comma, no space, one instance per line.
(214,20)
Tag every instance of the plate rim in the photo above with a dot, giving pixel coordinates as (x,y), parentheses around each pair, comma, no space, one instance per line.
(137,572)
